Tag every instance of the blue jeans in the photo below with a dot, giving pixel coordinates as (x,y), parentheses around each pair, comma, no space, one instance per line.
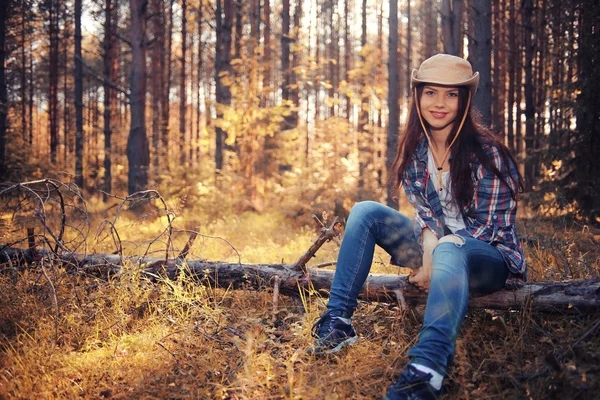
(473,267)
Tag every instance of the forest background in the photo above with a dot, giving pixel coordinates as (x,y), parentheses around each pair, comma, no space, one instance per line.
(248,117)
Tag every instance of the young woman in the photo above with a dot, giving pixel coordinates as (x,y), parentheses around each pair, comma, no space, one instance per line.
(463,184)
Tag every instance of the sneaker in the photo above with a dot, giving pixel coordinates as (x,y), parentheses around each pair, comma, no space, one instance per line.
(332,333)
(412,384)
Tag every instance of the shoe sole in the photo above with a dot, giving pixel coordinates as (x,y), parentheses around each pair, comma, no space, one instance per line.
(336,349)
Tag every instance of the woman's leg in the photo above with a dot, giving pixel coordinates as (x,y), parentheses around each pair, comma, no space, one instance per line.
(471,266)
(369,223)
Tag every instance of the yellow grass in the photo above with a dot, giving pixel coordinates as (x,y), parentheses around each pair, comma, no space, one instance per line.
(132,338)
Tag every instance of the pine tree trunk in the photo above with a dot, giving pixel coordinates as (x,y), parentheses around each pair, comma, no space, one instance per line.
(23,74)
(79,132)
(53,79)
(347,57)
(165,103)
(3,91)
(408,48)
(182,86)
(108,59)
(199,82)
(530,159)
(222,64)
(587,143)
(451,15)
(137,143)
(480,53)
(266,52)
(430,25)
(393,94)
(156,87)
(363,115)
(296,55)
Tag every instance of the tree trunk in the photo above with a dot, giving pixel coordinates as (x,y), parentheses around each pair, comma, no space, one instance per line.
(587,142)
(332,76)
(511,55)
(530,159)
(266,52)
(199,82)
(3,91)
(53,79)
(576,295)
(430,25)
(285,50)
(166,88)
(480,52)
(182,86)
(79,133)
(222,65)
(23,72)
(137,143)
(157,87)
(451,13)
(296,55)
(347,57)
(408,48)
(109,55)
(363,115)
(393,94)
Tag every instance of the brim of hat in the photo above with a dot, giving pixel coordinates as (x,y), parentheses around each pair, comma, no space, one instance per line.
(470,83)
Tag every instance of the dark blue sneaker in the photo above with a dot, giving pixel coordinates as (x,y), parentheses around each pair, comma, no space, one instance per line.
(332,332)
(412,384)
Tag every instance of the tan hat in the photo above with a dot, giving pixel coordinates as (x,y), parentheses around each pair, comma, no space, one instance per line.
(444,69)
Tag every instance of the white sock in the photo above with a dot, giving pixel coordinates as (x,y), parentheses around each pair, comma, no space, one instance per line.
(347,321)
(436,379)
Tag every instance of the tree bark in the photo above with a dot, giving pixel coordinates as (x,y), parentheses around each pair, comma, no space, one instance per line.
(165,108)
(79,133)
(510,53)
(109,55)
(53,78)
(3,92)
(529,44)
(137,143)
(393,94)
(222,65)
(576,295)
(451,13)
(363,115)
(480,52)
(182,86)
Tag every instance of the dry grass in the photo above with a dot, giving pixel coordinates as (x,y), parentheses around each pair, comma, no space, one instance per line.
(132,338)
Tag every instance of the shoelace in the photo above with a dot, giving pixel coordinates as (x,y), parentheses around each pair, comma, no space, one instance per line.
(413,377)
(319,327)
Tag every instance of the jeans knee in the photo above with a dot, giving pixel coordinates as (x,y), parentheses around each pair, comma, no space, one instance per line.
(362,211)
(449,253)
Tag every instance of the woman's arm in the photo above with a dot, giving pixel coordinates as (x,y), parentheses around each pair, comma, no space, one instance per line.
(494,208)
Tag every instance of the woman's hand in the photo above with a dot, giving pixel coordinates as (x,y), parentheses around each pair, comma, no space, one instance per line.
(422,276)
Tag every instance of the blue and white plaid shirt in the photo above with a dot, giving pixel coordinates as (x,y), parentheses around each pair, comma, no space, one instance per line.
(491,214)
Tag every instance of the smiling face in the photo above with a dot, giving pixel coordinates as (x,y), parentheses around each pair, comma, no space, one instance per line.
(439,107)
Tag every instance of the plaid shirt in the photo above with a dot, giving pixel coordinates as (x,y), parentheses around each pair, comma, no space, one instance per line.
(491,214)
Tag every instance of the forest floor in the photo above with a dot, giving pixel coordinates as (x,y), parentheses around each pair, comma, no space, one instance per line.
(131,338)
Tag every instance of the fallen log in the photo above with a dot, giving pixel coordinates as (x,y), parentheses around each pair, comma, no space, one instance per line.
(582,295)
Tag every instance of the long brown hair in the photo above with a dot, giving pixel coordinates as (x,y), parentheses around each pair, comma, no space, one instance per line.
(468,144)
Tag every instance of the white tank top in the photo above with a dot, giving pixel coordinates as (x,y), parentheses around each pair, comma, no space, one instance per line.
(452,216)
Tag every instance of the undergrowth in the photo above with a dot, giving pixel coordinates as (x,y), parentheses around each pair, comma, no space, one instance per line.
(130,337)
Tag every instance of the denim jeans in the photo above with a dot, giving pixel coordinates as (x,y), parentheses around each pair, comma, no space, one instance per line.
(458,270)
